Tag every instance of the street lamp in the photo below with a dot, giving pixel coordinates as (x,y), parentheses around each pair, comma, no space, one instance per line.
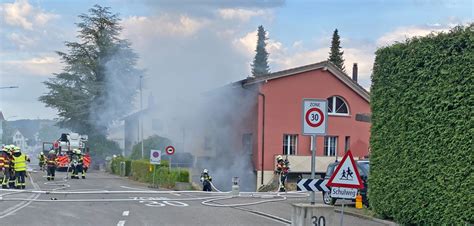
(8,87)
(141,114)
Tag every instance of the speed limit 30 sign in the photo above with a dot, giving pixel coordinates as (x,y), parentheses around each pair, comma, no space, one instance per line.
(315,114)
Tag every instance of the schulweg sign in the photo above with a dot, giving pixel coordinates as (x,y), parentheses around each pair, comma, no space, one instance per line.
(345,180)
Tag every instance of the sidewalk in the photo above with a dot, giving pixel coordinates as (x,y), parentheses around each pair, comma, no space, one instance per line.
(360,217)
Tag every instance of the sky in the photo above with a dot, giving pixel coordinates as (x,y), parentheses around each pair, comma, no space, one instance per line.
(189,46)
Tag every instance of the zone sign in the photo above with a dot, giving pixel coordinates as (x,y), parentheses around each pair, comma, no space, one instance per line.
(315,115)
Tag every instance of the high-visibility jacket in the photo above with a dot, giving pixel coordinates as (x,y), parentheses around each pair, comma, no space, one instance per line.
(79,158)
(52,160)
(20,162)
(205,177)
(4,160)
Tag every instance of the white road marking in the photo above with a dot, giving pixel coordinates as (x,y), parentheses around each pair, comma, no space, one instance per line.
(121,223)
(125,213)
(23,204)
(141,189)
(176,194)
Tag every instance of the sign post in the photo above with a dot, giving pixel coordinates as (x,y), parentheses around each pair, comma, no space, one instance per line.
(314,120)
(169,151)
(155,159)
(345,181)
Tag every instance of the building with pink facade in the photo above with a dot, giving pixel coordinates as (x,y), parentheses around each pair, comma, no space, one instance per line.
(276,128)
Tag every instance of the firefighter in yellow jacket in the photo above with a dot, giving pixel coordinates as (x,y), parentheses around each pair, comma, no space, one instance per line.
(19,165)
(77,163)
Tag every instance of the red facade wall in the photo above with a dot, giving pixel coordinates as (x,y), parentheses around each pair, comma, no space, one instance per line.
(283,110)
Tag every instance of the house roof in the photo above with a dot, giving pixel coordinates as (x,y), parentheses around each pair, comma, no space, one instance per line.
(325,65)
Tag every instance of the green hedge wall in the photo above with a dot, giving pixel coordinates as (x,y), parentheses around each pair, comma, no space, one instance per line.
(422,99)
(139,170)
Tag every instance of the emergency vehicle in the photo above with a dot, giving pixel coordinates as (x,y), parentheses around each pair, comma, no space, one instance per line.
(64,146)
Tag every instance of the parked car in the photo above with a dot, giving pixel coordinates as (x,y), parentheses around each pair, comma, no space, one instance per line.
(363,167)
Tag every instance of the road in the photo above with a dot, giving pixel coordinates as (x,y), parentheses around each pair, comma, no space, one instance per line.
(91,202)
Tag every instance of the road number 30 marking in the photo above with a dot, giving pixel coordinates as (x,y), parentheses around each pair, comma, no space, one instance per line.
(152,202)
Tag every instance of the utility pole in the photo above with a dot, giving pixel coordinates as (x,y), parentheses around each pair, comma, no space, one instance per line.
(141,113)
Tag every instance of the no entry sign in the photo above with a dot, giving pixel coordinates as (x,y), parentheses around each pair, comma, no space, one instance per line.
(315,116)
(169,150)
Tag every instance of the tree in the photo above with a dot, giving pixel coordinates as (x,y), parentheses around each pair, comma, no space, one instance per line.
(8,130)
(49,132)
(99,76)
(335,56)
(260,62)
(153,142)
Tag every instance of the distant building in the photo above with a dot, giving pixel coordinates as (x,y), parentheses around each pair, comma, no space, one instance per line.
(19,140)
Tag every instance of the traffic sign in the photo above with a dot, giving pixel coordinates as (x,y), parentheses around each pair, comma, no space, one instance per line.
(155,157)
(169,150)
(312,185)
(346,174)
(315,115)
(343,193)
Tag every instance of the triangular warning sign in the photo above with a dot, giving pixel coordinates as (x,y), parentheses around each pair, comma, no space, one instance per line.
(346,174)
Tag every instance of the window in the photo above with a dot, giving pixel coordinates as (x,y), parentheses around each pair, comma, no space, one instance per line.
(289,144)
(337,106)
(330,146)
(348,143)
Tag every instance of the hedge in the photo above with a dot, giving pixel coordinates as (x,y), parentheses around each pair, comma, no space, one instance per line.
(422,100)
(139,170)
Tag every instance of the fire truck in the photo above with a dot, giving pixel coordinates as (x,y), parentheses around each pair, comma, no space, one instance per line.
(64,146)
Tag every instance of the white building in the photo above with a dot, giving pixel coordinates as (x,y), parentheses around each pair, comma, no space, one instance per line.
(19,140)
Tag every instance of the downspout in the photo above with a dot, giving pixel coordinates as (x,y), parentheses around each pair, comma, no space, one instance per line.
(263,132)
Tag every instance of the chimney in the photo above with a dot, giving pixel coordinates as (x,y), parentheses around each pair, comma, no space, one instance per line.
(354,72)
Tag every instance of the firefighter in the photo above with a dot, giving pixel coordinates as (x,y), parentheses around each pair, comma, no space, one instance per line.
(51,163)
(19,165)
(42,161)
(10,177)
(206,180)
(77,161)
(282,168)
(4,166)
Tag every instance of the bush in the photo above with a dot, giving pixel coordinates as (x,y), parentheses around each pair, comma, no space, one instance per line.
(422,130)
(139,170)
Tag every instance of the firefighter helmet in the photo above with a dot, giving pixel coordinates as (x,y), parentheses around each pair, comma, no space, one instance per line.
(279,158)
(205,171)
(16,149)
(51,152)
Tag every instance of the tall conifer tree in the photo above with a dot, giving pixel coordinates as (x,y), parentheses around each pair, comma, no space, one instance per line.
(260,62)
(335,56)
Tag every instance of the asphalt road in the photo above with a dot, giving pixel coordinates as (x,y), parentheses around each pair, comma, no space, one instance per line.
(77,206)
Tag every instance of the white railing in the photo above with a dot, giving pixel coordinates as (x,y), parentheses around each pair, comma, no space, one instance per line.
(302,164)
